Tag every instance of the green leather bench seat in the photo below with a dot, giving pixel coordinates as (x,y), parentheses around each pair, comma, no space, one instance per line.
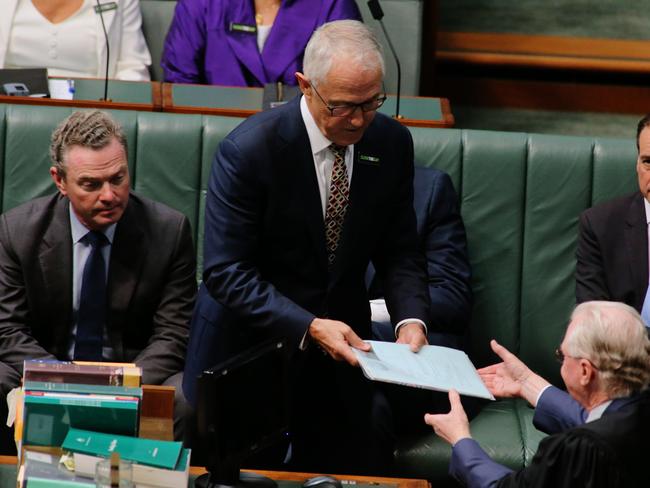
(520,197)
(504,429)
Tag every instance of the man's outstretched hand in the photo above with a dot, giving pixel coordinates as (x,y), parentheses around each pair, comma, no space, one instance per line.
(337,339)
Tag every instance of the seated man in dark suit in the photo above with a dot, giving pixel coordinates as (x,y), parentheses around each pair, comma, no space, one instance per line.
(95,272)
(441,235)
(605,359)
(612,254)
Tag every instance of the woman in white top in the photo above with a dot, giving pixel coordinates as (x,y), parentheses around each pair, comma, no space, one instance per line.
(66,37)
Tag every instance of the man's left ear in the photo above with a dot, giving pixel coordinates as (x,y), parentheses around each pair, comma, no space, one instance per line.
(303,84)
(587,372)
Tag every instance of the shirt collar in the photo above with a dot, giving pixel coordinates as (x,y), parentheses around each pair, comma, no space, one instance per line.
(317,140)
(79,230)
(598,411)
(646,205)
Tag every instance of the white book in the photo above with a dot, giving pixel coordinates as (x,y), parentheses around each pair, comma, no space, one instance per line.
(433,368)
(143,476)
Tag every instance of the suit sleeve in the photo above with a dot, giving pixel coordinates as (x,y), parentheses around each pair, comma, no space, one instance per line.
(557,411)
(234,209)
(16,338)
(471,465)
(164,355)
(445,247)
(397,257)
(182,59)
(591,282)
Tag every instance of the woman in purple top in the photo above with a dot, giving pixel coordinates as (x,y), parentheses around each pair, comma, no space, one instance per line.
(245,42)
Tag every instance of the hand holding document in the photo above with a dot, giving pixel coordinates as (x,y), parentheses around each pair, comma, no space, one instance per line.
(433,368)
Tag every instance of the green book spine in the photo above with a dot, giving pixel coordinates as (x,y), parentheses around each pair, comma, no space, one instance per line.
(48,483)
(162,454)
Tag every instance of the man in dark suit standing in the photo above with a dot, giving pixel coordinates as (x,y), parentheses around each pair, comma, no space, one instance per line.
(300,199)
(605,359)
(95,272)
(612,254)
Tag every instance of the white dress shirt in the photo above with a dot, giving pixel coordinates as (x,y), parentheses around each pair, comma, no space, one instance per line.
(67,48)
(323,163)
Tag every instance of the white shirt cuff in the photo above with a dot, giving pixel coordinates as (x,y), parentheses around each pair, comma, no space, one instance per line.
(541,393)
(408,321)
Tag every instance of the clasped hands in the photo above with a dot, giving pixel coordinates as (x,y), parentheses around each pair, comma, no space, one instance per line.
(510,378)
(337,338)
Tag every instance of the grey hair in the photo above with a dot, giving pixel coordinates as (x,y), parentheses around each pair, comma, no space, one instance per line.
(91,129)
(613,337)
(343,39)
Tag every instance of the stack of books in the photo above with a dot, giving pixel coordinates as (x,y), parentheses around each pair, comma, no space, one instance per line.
(72,414)
(163,464)
(58,395)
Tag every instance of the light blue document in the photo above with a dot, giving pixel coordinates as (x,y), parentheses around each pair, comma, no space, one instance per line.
(433,368)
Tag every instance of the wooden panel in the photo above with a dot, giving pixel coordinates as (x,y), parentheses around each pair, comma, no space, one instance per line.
(157,401)
(494,92)
(346,479)
(456,44)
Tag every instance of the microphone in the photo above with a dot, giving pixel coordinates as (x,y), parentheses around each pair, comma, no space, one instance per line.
(378,14)
(108,51)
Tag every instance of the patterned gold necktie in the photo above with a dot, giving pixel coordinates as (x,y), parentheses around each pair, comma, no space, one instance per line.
(337,203)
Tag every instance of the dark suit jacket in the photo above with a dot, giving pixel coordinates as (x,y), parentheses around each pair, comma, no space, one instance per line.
(265,256)
(151,285)
(612,255)
(441,236)
(610,452)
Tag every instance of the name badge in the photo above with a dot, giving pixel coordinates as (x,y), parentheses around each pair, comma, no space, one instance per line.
(371,160)
(105,7)
(250,29)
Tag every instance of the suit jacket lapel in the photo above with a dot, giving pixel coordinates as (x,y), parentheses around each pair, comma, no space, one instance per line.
(636,240)
(291,31)
(127,258)
(297,149)
(243,44)
(55,257)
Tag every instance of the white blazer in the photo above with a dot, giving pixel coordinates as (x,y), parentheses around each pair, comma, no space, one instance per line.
(129,55)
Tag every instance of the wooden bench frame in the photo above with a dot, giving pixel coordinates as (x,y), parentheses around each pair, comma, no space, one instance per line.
(504,70)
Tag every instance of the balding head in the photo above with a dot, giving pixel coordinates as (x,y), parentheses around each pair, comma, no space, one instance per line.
(613,338)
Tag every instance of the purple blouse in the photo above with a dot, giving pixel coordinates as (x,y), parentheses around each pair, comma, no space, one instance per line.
(215,41)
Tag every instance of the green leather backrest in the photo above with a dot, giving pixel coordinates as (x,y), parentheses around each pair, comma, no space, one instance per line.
(403,20)
(520,197)
(157,16)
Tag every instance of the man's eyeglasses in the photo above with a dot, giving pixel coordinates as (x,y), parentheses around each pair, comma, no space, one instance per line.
(560,356)
(349,108)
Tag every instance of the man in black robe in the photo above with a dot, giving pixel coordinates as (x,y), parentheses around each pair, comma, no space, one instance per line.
(605,359)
